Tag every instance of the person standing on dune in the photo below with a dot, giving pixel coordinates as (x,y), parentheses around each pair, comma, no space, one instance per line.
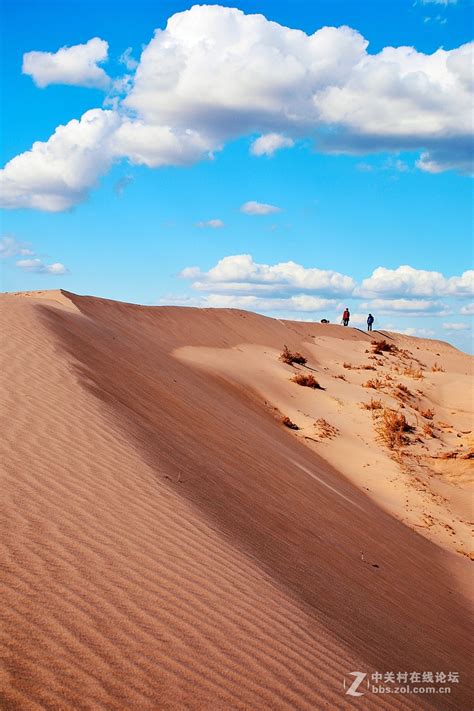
(345,317)
(370,320)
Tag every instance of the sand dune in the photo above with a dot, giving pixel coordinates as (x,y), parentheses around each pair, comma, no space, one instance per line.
(167,543)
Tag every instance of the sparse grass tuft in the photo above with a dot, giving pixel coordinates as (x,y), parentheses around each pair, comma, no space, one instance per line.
(325,430)
(288,357)
(393,427)
(372,405)
(348,366)
(403,390)
(288,423)
(429,414)
(368,367)
(383,346)
(413,372)
(307,380)
(436,368)
(341,377)
(374,383)
(428,430)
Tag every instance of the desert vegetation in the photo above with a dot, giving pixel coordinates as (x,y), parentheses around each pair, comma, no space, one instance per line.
(324,429)
(437,368)
(413,372)
(393,428)
(307,380)
(383,346)
(372,404)
(290,358)
(285,420)
(374,383)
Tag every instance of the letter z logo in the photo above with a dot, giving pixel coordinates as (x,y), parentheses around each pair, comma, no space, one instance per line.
(359,678)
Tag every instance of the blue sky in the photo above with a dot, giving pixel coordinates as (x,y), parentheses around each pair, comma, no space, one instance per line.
(129,230)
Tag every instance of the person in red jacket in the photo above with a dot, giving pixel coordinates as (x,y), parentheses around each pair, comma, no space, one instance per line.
(345,317)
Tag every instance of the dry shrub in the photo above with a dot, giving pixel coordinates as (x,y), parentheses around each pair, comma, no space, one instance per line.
(374,383)
(383,346)
(368,367)
(445,425)
(436,368)
(288,357)
(288,423)
(413,372)
(307,380)
(325,430)
(393,427)
(372,405)
(403,390)
(429,414)
(347,365)
(428,430)
(341,377)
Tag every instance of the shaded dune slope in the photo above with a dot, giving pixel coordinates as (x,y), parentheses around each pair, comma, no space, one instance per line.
(165,545)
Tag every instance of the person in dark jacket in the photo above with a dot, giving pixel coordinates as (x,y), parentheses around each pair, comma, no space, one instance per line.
(345,317)
(370,320)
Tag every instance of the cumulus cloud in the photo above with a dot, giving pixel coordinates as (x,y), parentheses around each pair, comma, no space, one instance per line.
(467,310)
(258,208)
(56,174)
(408,306)
(36,266)
(10,247)
(456,326)
(240,274)
(213,224)
(407,281)
(269,143)
(215,73)
(127,60)
(419,332)
(438,2)
(299,304)
(76,65)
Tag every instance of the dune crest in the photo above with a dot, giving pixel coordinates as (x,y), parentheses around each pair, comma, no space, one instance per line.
(167,543)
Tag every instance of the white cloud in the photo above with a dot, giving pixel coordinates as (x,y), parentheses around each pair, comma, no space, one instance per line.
(410,307)
(456,326)
(38,267)
(214,74)
(258,208)
(301,303)
(57,174)
(213,224)
(467,310)
(127,60)
(10,247)
(419,332)
(438,2)
(269,143)
(407,281)
(77,65)
(240,274)
(155,146)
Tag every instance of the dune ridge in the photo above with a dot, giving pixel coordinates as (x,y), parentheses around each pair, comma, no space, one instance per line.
(167,544)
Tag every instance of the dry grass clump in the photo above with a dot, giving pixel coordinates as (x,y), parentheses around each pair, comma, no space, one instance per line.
(374,383)
(413,372)
(393,428)
(325,430)
(383,346)
(347,365)
(307,380)
(368,367)
(403,391)
(372,405)
(288,423)
(428,430)
(429,414)
(341,377)
(436,368)
(288,357)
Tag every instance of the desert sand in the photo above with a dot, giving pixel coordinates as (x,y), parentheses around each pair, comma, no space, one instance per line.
(167,543)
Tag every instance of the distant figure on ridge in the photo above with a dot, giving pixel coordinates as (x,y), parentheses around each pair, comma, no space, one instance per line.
(370,320)
(345,317)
